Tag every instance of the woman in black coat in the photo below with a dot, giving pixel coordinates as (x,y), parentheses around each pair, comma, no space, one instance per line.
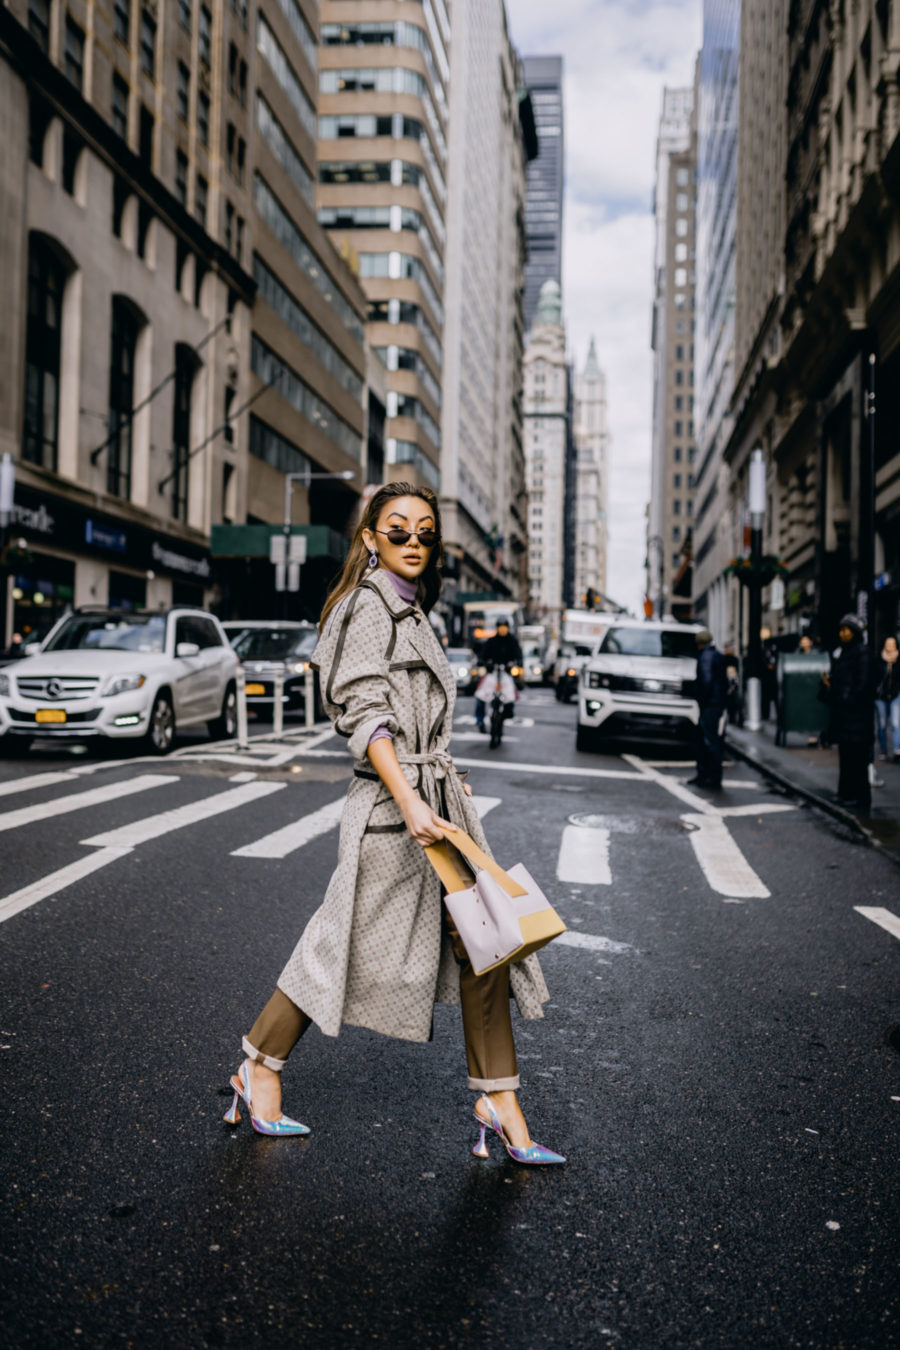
(851,698)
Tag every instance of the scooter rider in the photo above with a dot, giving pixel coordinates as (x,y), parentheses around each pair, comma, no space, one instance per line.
(501,650)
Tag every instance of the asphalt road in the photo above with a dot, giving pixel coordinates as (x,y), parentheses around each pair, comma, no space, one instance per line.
(715,1063)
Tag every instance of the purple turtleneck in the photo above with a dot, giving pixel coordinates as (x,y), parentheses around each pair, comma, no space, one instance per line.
(407,590)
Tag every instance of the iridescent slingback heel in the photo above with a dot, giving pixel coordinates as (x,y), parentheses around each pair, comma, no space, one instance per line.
(535,1155)
(240,1081)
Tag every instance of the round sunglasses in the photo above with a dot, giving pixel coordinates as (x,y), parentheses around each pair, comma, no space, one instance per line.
(427,538)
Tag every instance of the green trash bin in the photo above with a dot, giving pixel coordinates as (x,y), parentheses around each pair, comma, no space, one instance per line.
(799,707)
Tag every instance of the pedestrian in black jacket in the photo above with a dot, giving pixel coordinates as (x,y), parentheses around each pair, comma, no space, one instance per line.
(887,698)
(711,692)
(851,699)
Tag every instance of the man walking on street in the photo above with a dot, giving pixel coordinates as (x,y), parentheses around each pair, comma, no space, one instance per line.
(712,695)
(851,698)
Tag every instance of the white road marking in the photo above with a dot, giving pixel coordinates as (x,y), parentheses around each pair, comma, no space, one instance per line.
(57,881)
(757,809)
(554,770)
(883,917)
(722,862)
(672,785)
(468,720)
(246,777)
(590,943)
(482,736)
(290,837)
(484,804)
(584,856)
(78,801)
(33,781)
(129,836)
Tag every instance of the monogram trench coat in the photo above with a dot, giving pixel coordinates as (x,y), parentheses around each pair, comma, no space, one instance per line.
(376,953)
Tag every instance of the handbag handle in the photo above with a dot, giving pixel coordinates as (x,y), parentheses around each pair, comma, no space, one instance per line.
(442,860)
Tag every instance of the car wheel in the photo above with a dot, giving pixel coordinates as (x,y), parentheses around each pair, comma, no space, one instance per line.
(587,738)
(161,732)
(224,727)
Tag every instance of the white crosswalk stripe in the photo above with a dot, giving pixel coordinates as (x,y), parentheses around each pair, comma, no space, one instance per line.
(129,836)
(79,801)
(584,856)
(290,837)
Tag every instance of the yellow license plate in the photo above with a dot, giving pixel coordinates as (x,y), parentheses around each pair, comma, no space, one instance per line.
(256,688)
(50,715)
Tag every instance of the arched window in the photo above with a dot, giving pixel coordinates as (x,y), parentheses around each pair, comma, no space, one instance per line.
(126,325)
(46,282)
(185,369)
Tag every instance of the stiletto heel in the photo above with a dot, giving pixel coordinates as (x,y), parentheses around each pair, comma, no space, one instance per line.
(481,1149)
(233,1116)
(240,1081)
(535,1155)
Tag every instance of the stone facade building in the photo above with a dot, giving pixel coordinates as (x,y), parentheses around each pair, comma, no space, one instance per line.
(546,172)
(591,436)
(547,441)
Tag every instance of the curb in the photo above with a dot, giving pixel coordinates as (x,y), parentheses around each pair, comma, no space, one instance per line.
(822,803)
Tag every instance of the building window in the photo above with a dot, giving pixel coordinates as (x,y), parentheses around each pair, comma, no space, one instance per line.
(284,150)
(39,22)
(148,43)
(676,454)
(121,398)
(46,281)
(241,159)
(203,117)
(183,91)
(120,107)
(204,36)
(232,68)
(676,480)
(678,428)
(242,83)
(229,225)
(682,177)
(200,199)
(676,507)
(145,139)
(185,13)
(679,376)
(74,53)
(181,177)
(122,20)
(239,239)
(185,365)
(679,351)
(676,535)
(230,143)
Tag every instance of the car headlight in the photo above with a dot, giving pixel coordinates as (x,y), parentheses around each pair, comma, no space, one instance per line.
(121,684)
(463,672)
(5,689)
(298,667)
(515,670)
(571,670)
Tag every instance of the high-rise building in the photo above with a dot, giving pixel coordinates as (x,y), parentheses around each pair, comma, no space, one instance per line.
(547,457)
(544,193)
(382,195)
(591,436)
(125,254)
(482,459)
(673,447)
(717,166)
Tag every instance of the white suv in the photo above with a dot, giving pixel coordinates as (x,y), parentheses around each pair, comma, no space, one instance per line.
(122,675)
(634,686)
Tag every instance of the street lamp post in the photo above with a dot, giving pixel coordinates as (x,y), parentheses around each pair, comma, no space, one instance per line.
(754,647)
(281,557)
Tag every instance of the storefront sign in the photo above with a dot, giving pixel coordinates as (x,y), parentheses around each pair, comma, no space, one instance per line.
(101,536)
(177,562)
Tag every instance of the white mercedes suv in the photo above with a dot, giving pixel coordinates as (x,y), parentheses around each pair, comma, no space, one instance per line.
(109,673)
(639,684)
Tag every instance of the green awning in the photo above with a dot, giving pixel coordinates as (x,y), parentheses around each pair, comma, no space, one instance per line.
(252,541)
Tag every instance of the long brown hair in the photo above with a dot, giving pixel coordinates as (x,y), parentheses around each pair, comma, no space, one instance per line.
(356,564)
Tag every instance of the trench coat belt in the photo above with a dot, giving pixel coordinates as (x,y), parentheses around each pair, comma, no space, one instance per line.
(440,763)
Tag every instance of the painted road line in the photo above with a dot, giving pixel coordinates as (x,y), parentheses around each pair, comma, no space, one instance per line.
(590,943)
(672,785)
(554,770)
(246,777)
(756,809)
(57,881)
(290,837)
(484,804)
(883,917)
(129,836)
(34,781)
(584,856)
(721,861)
(79,801)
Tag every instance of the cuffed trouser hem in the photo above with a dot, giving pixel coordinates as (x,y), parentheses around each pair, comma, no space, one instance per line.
(252,1053)
(494,1084)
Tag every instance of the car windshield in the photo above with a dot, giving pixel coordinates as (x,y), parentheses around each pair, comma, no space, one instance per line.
(650,642)
(121,633)
(459,654)
(275,644)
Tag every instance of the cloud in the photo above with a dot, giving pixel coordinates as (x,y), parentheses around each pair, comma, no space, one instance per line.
(618,56)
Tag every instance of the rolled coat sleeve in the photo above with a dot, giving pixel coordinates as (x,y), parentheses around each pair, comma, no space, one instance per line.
(352,659)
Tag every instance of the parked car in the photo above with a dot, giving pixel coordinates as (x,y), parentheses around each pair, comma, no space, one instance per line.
(124,676)
(532,663)
(464,664)
(638,685)
(266,648)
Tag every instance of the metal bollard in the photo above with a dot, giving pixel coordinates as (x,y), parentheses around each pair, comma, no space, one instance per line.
(309,698)
(241,709)
(278,705)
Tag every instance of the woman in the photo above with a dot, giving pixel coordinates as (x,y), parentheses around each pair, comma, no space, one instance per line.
(887,699)
(849,691)
(380,950)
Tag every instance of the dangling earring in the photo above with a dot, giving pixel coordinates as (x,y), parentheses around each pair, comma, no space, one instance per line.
(373,560)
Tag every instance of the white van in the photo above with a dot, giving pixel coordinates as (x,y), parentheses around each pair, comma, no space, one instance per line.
(638,684)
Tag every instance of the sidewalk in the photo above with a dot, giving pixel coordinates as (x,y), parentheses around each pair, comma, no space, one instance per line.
(813,774)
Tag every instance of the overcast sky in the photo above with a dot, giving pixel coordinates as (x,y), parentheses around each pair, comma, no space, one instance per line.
(618,55)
